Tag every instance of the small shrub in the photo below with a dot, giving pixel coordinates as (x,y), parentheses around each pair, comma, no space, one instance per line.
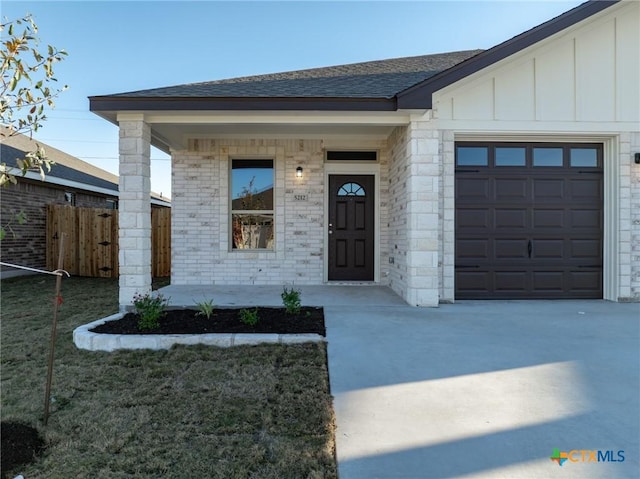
(150,309)
(291,300)
(249,316)
(205,308)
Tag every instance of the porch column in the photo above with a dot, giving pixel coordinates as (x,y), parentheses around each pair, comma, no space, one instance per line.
(134,208)
(423,200)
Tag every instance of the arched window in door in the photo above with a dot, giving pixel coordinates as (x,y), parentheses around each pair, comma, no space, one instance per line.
(351,189)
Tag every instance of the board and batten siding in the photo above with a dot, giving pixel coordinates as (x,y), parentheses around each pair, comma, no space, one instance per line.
(588,73)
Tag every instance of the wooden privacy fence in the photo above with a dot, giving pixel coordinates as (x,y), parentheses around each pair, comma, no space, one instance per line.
(91,247)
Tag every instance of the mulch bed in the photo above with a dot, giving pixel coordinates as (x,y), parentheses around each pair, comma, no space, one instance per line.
(223,320)
(20,445)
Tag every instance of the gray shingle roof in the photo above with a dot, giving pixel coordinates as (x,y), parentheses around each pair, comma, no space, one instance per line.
(10,154)
(375,79)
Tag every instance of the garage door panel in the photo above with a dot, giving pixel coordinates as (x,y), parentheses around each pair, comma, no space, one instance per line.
(547,189)
(585,219)
(473,189)
(511,219)
(473,281)
(511,281)
(511,189)
(586,281)
(473,249)
(510,249)
(472,219)
(548,281)
(586,190)
(547,249)
(590,249)
(548,218)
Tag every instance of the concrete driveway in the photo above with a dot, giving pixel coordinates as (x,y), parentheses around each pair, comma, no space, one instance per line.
(485,389)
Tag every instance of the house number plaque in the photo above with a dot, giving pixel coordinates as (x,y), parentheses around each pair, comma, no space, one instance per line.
(301,197)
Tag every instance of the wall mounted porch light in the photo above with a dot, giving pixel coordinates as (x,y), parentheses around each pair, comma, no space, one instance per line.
(299,172)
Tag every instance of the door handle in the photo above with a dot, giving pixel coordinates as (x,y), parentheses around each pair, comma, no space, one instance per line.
(529,248)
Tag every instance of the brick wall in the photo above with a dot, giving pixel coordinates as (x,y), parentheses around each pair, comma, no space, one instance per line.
(200,208)
(415,212)
(398,175)
(28,247)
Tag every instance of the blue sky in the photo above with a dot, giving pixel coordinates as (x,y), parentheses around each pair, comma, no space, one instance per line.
(119,46)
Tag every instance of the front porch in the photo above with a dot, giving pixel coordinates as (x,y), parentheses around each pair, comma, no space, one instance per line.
(401,222)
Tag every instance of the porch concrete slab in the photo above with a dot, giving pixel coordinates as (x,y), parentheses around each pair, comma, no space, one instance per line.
(486,389)
(265,295)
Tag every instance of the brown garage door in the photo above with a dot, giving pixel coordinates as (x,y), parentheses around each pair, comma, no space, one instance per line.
(529,220)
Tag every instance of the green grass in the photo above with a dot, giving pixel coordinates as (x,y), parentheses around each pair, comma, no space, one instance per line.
(193,411)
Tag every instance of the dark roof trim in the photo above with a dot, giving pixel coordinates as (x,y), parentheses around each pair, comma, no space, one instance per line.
(420,96)
(114,103)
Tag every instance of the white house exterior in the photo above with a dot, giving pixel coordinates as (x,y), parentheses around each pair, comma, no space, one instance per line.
(509,173)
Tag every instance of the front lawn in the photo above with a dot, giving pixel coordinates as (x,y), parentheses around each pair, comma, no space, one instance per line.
(193,411)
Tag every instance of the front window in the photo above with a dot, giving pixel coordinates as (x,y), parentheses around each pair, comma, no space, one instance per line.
(252,223)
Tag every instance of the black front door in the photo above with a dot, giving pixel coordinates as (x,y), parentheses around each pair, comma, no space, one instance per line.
(351,227)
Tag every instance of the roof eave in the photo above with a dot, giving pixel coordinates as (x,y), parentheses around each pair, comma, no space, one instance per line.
(420,96)
(120,103)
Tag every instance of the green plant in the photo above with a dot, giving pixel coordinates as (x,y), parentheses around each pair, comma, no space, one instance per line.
(25,91)
(249,316)
(205,308)
(291,300)
(150,309)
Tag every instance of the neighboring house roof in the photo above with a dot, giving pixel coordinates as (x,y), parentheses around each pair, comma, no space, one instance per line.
(10,154)
(262,200)
(386,85)
(67,170)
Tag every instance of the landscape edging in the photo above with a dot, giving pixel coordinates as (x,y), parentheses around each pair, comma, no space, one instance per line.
(83,338)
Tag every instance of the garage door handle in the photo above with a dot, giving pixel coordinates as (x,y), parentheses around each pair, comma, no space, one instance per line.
(529,248)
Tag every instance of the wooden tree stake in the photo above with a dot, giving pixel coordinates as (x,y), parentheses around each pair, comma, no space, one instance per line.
(56,306)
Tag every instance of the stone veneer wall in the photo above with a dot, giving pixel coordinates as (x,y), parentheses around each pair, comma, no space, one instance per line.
(630,218)
(415,212)
(398,175)
(134,217)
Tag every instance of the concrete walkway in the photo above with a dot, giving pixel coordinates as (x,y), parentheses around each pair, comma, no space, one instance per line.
(485,389)
(476,389)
